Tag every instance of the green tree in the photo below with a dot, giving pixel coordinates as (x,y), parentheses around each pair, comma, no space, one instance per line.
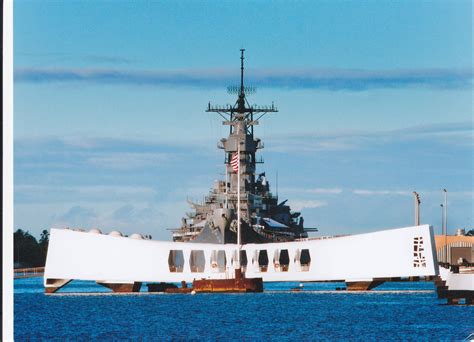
(26,249)
(470,233)
(43,245)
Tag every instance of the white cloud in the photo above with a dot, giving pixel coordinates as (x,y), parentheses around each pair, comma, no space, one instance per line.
(319,191)
(364,192)
(303,144)
(288,78)
(447,133)
(127,218)
(91,193)
(129,160)
(299,205)
(334,191)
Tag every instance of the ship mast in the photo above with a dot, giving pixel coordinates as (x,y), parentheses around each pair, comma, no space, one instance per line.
(240,119)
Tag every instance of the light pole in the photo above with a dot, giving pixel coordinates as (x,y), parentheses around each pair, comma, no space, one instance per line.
(417,208)
(445,211)
(446,222)
(442,228)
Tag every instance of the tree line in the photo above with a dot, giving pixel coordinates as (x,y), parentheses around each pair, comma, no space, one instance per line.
(29,252)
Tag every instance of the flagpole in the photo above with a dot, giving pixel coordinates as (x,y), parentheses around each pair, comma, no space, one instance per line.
(226,187)
(238,210)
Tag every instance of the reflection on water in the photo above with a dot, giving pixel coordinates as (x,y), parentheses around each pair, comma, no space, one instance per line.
(392,311)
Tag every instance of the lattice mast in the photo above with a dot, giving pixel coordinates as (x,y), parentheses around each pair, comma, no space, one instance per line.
(241,120)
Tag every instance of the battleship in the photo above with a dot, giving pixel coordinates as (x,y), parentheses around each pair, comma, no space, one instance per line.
(263,218)
(240,237)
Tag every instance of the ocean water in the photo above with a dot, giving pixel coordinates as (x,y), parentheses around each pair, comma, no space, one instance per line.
(392,311)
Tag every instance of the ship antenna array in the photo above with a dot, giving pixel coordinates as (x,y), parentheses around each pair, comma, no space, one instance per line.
(236,90)
(241,106)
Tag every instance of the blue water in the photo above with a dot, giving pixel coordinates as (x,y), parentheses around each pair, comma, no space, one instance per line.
(392,311)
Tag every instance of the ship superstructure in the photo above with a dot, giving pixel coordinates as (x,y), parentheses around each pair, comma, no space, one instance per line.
(263,217)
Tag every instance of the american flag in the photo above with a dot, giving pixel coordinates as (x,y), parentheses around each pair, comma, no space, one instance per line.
(235,162)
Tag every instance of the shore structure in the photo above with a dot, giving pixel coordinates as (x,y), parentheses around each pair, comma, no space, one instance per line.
(455,281)
(455,249)
(239,237)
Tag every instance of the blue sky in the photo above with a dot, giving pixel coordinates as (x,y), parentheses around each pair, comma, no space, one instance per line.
(375,101)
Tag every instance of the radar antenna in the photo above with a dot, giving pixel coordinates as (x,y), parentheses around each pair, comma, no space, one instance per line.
(242,109)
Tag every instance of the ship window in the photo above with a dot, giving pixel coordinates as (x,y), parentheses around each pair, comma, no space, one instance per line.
(176,261)
(218,261)
(263,261)
(197,261)
(281,260)
(243,259)
(305,259)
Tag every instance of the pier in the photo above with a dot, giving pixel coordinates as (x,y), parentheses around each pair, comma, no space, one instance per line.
(29,272)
